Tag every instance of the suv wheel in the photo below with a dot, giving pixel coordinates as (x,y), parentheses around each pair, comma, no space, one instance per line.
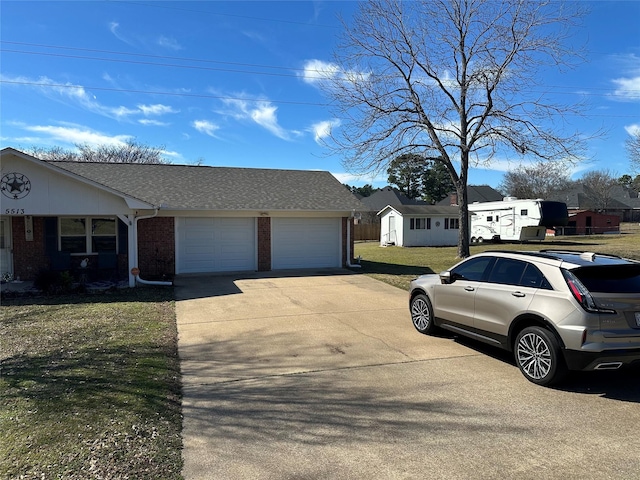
(422,314)
(537,354)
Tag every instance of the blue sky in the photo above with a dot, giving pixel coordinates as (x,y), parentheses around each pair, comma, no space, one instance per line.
(228,83)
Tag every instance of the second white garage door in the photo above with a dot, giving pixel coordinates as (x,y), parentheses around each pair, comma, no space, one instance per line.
(216,245)
(306,243)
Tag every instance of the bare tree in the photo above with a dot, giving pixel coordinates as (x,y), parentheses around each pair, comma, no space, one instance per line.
(601,184)
(633,148)
(539,180)
(129,152)
(454,81)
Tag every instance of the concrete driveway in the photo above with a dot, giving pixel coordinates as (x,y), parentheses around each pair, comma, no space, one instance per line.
(322,376)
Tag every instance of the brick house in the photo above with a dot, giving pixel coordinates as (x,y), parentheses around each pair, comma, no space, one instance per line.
(168,219)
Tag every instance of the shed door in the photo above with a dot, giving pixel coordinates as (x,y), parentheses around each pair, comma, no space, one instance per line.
(216,245)
(306,243)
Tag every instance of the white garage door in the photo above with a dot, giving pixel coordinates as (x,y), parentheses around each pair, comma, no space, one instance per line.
(216,245)
(306,242)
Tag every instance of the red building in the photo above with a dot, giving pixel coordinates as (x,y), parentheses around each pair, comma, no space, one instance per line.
(588,222)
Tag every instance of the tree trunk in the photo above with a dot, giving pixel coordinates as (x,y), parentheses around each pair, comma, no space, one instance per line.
(463,213)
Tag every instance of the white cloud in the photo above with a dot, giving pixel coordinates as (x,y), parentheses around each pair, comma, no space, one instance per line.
(322,130)
(78,135)
(262,112)
(627,88)
(206,127)
(153,123)
(627,85)
(66,91)
(157,109)
(633,129)
(316,71)
(170,43)
(114,28)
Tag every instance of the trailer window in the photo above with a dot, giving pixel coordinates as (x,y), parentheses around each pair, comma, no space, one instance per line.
(489,218)
(524,211)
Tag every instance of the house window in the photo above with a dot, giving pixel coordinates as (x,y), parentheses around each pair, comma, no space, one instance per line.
(417,224)
(451,223)
(428,224)
(87,235)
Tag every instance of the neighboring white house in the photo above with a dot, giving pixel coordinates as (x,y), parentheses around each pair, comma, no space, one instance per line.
(419,225)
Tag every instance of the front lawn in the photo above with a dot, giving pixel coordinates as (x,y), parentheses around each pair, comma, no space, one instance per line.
(398,266)
(90,387)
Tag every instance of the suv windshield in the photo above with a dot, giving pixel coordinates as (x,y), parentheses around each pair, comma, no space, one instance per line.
(610,278)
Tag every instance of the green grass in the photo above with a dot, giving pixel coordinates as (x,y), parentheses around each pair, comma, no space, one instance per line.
(90,387)
(398,266)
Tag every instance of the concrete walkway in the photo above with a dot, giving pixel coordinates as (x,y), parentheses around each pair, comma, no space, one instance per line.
(322,376)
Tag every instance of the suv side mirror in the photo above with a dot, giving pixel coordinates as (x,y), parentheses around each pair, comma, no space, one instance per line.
(446,277)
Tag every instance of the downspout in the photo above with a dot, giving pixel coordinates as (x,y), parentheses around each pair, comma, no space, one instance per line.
(349,253)
(136,275)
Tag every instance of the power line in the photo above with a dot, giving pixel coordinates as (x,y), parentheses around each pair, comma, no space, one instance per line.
(559,88)
(162,57)
(149,92)
(215,97)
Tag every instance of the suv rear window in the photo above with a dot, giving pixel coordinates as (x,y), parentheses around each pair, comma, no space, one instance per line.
(610,278)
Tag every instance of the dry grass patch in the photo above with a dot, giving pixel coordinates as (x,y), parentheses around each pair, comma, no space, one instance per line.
(90,387)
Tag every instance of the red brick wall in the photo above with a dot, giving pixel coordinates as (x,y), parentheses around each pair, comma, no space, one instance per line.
(264,244)
(156,247)
(28,257)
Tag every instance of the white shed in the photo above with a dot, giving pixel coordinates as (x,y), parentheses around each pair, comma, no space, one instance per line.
(419,225)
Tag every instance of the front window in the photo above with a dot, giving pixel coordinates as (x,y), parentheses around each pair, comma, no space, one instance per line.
(87,235)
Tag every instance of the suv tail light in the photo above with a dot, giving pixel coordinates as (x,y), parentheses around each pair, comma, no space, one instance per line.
(582,295)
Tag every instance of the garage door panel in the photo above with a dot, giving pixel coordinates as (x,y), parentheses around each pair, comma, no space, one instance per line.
(216,245)
(306,242)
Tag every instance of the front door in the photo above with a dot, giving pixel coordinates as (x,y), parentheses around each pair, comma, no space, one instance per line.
(6,263)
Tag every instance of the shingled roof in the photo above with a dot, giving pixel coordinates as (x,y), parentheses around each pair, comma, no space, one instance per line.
(186,187)
(418,210)
(388,196)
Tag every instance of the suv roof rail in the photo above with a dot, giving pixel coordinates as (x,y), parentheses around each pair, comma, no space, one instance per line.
(589,256)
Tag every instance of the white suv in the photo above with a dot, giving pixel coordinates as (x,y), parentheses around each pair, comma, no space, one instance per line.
(555,310)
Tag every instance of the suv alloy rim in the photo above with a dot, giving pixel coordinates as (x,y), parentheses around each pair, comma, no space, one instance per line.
(534,356)
(420,313)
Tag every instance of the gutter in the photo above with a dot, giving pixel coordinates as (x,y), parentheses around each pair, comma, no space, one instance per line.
(349,253)
(136,271)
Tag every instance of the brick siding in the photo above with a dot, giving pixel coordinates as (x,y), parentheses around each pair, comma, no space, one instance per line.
(264,244)
(28,257)
(156,247)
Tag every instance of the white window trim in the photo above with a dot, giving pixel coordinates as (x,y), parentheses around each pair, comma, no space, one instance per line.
(87,233)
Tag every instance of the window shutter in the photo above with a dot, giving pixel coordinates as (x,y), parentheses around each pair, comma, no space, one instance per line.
(123,238)
(50,235)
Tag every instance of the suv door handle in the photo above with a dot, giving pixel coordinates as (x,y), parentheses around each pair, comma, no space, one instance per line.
(469,289)
(518,294)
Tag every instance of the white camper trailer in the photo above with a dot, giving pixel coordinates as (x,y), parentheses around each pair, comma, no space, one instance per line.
(515,220)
